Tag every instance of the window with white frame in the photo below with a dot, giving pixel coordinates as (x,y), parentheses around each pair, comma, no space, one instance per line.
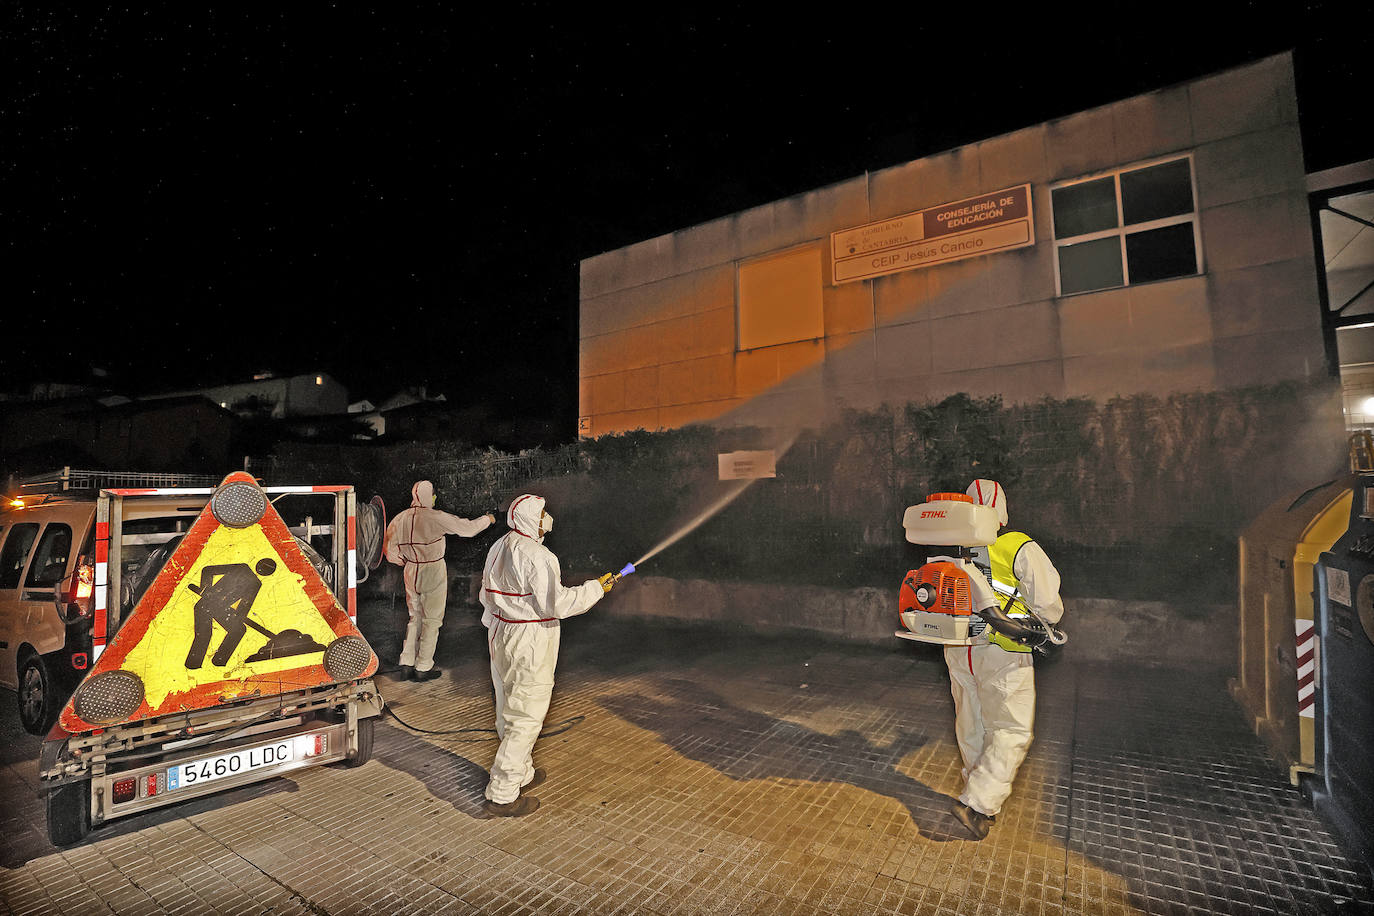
(1135,225)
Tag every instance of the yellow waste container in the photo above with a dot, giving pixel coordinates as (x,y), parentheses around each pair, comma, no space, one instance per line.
(1277,665)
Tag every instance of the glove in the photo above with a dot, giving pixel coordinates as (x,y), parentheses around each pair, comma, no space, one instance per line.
(607,581)
(497,515)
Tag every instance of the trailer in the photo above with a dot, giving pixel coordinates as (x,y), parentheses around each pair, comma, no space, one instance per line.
(230,656)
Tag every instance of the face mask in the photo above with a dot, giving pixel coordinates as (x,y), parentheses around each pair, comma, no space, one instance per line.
(545,524)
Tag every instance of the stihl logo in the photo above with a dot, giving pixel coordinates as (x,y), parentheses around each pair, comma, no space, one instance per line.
(934,513)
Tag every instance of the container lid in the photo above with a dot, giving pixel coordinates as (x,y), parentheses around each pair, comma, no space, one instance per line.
(955,497)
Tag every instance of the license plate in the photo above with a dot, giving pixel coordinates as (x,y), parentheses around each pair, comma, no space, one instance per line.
(233,763)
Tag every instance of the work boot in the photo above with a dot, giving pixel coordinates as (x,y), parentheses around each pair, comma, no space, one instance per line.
(975,821)
(525,804)
(417,675)
(540,774)
(406,672)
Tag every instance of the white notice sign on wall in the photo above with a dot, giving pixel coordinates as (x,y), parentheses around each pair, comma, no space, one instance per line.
(747,465)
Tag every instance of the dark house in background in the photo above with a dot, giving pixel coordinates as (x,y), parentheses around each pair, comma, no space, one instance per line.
(185,434)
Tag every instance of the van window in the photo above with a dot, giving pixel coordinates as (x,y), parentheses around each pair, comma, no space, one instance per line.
(50,560)
(15,552)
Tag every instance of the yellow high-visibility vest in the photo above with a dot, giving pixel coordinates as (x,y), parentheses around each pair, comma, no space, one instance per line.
(1003,555)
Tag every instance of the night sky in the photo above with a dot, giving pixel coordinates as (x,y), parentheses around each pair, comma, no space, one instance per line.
(401,195)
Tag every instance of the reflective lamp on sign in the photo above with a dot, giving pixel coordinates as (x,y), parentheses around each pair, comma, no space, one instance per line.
(238,505)
(109,697)
(347,657)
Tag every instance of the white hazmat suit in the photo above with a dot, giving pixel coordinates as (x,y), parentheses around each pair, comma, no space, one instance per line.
(993,686)
(415,541)
(524,602)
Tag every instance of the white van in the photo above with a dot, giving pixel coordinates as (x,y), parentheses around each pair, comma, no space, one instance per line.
(47,575)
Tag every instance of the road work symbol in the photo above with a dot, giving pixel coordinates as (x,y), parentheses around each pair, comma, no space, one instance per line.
(226,595)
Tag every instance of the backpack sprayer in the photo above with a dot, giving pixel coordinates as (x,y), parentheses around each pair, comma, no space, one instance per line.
(936,602)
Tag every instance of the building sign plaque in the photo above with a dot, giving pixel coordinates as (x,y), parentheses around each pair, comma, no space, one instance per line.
(999,221)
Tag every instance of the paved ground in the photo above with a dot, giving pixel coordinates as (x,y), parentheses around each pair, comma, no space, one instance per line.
(707,771)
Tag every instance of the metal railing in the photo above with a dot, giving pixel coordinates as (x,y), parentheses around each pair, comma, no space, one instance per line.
(68,479)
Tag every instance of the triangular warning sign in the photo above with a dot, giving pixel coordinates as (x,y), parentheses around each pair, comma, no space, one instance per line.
(237,612)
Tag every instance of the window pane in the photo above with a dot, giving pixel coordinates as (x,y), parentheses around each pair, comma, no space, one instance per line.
(50,560)
(1158,254)
(1090,265)
(15,553)
(1157,192)
(1086,207)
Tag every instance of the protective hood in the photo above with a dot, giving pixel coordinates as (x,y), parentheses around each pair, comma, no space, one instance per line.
(990,493)
(524,514)
(422,495)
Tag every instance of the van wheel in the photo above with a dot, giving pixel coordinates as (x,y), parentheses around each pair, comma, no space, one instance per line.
(69,813)
(37,697)
(364,754)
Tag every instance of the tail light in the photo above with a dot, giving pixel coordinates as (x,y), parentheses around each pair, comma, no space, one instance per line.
(74,600)
(125,790)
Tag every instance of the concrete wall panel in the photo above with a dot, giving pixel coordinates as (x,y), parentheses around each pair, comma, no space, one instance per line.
(624,421)
(1191,367)
(903,350)
(677,415)
(1030,381)
(1095,323)
(799,363)
(962,342)
(1152,125)
(710,378)
(959,288)
(1104,376)
(1013,159)
(929,182)
(755,371)
(641,388)
(1248,166)
(851,359)
(1280,296)
(1265,358)
(1026,274)
(711,333)
(1235,102)
(1021,334)
(1081,144)
(1258,231)
(1170,313)
(902,297)
(848,308)
(608,393)
(674,297)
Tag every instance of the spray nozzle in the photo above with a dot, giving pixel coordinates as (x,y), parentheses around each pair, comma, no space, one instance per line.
(611,579)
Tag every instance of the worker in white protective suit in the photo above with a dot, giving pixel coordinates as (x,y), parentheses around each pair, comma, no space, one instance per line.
(993,680)
(524,603)
(415,541)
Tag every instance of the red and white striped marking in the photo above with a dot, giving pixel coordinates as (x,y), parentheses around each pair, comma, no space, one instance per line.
(1307,669)
(102,580)
(353,568)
